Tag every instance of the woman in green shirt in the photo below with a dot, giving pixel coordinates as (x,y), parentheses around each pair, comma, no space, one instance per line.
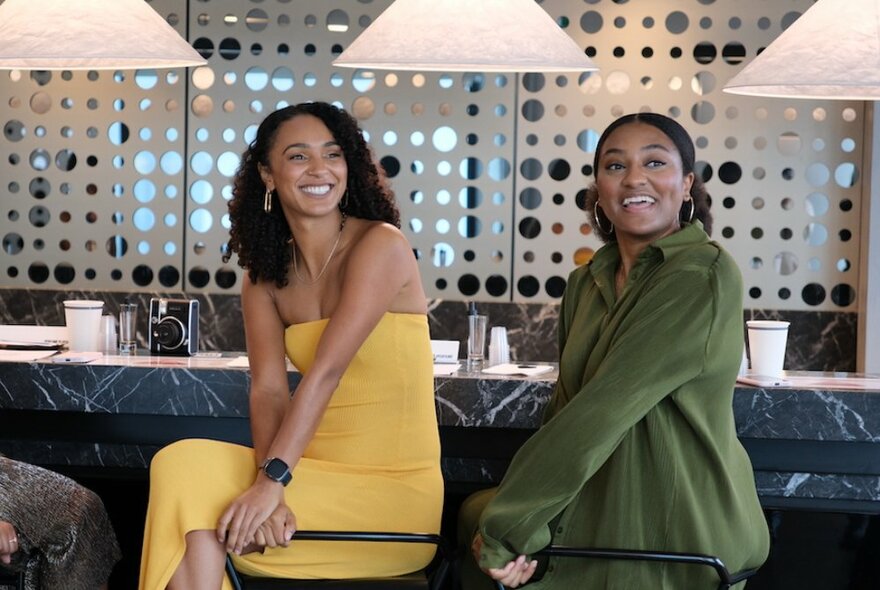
(638,449)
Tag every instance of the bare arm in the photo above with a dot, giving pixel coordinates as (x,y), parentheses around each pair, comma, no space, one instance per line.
(269,391)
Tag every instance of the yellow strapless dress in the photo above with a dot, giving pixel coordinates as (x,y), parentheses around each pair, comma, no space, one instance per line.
(373,465)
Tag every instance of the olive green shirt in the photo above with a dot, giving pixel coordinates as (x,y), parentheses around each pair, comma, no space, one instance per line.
(638,449)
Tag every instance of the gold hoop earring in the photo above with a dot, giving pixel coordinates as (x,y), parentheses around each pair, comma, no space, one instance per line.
(267,201)
(599,223)
(693,208)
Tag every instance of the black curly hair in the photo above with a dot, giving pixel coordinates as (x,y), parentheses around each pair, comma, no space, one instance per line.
(685,146)
(260,238)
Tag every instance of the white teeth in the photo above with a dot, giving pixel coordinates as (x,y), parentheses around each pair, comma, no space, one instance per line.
(322,189)
(639,199)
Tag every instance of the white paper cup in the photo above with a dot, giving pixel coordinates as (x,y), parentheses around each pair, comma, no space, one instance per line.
(767,341)
(83,320)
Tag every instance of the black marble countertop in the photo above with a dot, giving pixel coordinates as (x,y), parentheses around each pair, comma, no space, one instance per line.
(809,440)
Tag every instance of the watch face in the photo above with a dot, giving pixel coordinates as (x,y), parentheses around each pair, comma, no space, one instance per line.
(277,470)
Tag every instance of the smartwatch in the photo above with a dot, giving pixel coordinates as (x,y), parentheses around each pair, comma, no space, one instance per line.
(277,470)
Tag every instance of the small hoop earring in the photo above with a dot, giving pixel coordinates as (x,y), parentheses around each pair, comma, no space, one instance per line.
(693,207)
(343,202)
(598,222)
(267,201)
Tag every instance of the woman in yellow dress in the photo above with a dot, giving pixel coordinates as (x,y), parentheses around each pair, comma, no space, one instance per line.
(333,285)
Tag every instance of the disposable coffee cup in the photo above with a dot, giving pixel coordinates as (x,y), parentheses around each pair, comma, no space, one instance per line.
(767,342)
(83,320)
(499,350)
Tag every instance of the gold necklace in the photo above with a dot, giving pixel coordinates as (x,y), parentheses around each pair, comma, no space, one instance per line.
(326,262)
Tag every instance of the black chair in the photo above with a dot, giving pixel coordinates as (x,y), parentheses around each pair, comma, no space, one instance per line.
(431,578)
(727,579)
(11,580)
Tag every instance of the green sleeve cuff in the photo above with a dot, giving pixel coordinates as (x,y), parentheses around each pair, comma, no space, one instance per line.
(494,555)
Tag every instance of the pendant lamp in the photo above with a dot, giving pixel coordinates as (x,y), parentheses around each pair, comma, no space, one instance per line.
(465,35)
(831,51)
(89,35)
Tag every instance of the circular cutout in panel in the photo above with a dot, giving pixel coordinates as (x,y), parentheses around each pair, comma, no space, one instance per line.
(442,255)
(533,110)
(39,188)
(554,287)
(468,284)
(785,263)
(559,169)
(256,78)
(846,175)
(14,130)
(13,243)
(530,198)
(815,234)
(39,159)
(201,220)
(469,226)
(116,246)
(496,285)
(531,168)
(199,277)
(818,174)
(470,197)
(813,294)
(703,83)
(144,219)
(529,227)
(729,173)
(703,112)
(169,276)
(363,80)
(444,139)
(677,22)
(528,286)
(843,294)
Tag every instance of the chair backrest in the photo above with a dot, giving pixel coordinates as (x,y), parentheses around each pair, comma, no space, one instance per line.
(726,579)
(420,580)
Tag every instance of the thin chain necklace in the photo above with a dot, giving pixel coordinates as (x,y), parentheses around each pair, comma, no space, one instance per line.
(326,262)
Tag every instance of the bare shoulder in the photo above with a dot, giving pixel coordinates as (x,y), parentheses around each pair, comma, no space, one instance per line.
(380,238)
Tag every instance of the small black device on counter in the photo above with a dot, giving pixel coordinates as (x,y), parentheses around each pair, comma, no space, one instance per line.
(174,326)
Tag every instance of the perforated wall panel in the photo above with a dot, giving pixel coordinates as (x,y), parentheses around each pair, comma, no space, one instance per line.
(121,180)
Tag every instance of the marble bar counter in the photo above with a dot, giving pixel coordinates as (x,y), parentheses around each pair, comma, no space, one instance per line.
(814,442)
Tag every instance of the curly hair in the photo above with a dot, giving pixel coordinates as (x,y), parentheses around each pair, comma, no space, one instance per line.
(685,146)
(260,238)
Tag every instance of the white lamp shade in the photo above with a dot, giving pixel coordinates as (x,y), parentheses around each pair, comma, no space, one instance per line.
(465,35)
(89,35)
(831,51)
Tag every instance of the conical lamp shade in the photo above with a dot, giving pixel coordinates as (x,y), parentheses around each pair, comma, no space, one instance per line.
(89,35)
(465,35)
(831,51)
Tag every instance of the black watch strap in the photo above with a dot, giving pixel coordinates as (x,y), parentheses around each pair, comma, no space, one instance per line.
(277,470)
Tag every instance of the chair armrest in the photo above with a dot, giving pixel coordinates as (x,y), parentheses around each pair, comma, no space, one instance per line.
(444,549)
(727,579)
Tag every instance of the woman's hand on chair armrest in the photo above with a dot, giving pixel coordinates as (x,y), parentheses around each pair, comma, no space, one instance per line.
(278,529)
(514,574)
(238,525)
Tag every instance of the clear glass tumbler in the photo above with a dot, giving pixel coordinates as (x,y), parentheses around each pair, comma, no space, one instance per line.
(127,328)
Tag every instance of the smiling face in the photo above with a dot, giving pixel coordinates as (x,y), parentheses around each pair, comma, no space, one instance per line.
(306,167)
(641,183)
